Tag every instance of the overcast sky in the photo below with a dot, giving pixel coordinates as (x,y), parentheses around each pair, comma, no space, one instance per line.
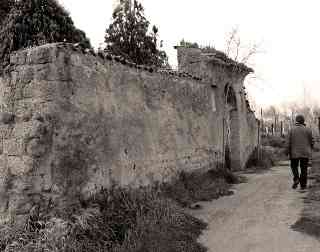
(287,30)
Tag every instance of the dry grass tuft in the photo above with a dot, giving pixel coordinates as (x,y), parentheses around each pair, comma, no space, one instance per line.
(148,219)
(265,159)
(114,220)
(189,188)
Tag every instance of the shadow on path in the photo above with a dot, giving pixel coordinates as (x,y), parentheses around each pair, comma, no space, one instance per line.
(258,217)
(309,223)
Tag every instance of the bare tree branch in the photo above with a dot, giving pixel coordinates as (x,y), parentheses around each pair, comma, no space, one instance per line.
(237,50)
(231,39)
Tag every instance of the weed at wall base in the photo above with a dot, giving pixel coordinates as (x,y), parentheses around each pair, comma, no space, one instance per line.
(189,188)
(115,220)
(147,219)
(261,159)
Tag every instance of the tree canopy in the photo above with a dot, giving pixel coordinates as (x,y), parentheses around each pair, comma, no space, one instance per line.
(128,35)
(35,22)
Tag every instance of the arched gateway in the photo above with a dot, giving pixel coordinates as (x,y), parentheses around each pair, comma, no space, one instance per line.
(231,129)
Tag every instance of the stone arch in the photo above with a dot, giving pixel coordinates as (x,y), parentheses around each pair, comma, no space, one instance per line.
(230,96)
(231,129)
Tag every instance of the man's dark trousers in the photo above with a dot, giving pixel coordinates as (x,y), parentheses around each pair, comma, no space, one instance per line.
(304,170)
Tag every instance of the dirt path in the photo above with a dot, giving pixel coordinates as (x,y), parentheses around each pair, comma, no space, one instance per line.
(257,217)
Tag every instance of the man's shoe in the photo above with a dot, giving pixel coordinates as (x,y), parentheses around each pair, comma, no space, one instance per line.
(295,185)
(303,189)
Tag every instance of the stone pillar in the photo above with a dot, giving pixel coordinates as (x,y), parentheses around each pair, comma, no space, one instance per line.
(189,59)
(235,141)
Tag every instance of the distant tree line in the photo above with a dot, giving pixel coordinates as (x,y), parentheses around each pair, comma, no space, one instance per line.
(277,120)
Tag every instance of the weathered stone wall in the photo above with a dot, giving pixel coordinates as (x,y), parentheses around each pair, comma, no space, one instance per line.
(82,122)
(224,73)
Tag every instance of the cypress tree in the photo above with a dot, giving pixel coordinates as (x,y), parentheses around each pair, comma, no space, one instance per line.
(128,35)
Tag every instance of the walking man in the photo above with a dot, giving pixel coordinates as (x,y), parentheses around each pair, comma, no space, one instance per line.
(300,144)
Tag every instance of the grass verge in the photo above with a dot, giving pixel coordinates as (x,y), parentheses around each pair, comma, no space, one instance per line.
(189,188)
(147,219)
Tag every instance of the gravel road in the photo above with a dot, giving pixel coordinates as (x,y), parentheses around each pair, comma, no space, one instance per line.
(258,217)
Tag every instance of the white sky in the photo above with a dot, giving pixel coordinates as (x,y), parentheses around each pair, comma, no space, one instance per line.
(288,31)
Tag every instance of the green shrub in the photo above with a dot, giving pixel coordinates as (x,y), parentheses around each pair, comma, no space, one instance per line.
(260,159)
(274,141)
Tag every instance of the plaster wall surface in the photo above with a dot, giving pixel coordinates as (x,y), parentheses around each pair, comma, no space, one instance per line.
(82,122)
(224,73)
(72,123)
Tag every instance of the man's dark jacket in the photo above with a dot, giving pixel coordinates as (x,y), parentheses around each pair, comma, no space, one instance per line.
(300,142)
